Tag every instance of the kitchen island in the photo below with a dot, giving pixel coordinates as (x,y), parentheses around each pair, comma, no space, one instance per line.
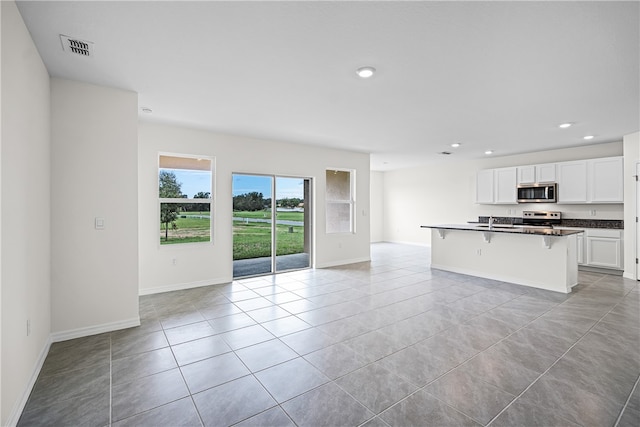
(544,258)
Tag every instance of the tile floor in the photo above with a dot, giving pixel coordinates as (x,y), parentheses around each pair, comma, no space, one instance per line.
(386,343)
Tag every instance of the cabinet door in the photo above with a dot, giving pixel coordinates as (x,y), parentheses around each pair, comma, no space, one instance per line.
(526,174)
(505,186)
(580,239)
(484,186)
(546,173)
(572,182)
(604,252)
(606,180)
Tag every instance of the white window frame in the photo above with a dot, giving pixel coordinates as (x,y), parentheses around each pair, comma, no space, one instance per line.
(210,200)
(351,201)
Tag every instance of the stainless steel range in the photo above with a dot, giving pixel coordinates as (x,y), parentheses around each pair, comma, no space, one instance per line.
(543,219)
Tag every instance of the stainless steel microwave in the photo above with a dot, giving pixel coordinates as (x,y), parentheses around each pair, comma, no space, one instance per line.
(538,193)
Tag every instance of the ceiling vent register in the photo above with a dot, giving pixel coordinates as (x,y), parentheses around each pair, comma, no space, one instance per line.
(77,46)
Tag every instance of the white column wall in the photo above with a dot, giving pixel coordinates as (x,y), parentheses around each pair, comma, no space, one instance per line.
(25,224)
(203,264)
(93,174)
(631,158)
(377,206)
(445,193)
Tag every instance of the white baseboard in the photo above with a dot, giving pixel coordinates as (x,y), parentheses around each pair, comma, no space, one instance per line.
(16,412)
(342,262)
(629,275)
(181,286)
(94,330)
(402,242)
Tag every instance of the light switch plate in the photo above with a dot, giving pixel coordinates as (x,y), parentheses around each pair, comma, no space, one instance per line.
(99,223)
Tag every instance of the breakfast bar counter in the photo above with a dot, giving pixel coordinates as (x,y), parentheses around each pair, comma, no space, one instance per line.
(544,258)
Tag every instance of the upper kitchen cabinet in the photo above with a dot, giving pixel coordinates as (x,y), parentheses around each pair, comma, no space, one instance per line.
(606,180)
(484,186)
(505,183)
(581,181)
(496,186)
(537,174)
(591,181)
(572,182)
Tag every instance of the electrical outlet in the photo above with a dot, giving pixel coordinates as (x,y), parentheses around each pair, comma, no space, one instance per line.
(174,261)
(479,251)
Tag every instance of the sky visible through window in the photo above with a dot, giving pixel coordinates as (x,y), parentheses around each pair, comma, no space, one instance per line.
(192,181)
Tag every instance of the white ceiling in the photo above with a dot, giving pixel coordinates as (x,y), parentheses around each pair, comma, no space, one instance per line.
(490,75)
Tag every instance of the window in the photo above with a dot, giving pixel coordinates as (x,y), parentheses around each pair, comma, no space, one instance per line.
(185,199)
(340,201)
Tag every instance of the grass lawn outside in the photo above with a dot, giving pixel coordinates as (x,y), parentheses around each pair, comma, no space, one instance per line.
(250,240)
(189,229)
(285,215)
(253,240)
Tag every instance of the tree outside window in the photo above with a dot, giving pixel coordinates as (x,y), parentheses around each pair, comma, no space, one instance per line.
(185,219)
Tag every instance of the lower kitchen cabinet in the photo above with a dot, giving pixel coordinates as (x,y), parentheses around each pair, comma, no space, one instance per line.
(604,248)
(600,247)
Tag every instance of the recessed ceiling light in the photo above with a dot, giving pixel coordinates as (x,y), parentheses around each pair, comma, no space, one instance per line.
(588,137)
(147,110)
(455,145)
(565,125)
(365,72)
(488,152)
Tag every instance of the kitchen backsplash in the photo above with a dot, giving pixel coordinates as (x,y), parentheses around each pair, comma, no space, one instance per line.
(573,222)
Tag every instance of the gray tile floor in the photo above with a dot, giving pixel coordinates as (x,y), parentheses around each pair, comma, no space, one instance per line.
(386,343)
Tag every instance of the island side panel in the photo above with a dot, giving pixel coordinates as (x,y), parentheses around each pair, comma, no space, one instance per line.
(521,259)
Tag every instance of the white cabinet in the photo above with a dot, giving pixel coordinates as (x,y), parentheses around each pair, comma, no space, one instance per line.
(484,186)
(580,239)
(546,173)
(591,181)
(606,180)
(496,186)
(582,181)
(604,248)
(527,174)
(537,174)
(572,182)
(505,186)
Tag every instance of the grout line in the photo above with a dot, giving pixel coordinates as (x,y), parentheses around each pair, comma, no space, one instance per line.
(626,403)
(559,358)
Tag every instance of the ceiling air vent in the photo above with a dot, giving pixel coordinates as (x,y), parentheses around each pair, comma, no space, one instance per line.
(445,153)
(77,46)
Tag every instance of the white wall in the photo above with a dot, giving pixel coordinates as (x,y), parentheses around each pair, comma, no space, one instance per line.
(201,264)
(631,158)
(94,136)
(25,253)
(377,206)
(444,193)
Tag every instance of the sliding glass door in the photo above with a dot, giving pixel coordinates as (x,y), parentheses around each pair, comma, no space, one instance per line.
(271,224)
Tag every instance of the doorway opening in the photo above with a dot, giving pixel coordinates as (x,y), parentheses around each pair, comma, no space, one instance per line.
(271,224)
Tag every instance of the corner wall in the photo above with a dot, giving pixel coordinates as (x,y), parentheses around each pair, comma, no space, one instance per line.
(444,193)
(25,210)
(94,164)
(377,206)
(203,264)
(631,158)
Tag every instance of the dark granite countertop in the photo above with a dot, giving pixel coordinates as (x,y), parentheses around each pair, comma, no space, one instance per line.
(504,228)
(616,224)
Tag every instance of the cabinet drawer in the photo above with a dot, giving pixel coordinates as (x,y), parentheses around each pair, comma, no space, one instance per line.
(604,232)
